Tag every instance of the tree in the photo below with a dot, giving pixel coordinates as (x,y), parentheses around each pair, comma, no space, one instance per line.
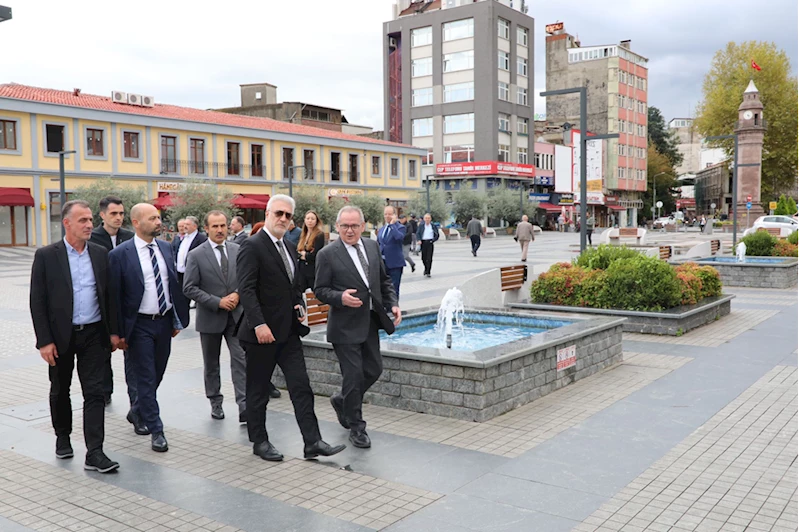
(467,203)
(197,197)
(783,208)
(106,186)
(439,210)
(659,165)
(310,198)
(505,204)
(664,139)
(723,88)
(372,207)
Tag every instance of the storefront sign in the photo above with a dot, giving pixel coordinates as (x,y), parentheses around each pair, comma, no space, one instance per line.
(169,186)
(611,200)
(485,168)
(567,357)
(686,203)
(566,199)
(552,28)
(544,180)
(345,192)
(539,196)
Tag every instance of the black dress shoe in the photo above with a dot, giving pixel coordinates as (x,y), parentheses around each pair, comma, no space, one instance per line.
(274,393)
(138,427)
(63,448)
(160,444)
(338,405)
(100,462)
(217,412)
(267,451)
(243,417)
(360,439)
(322,448)
(413,268)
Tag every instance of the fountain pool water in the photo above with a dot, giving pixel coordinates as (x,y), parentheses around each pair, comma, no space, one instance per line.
(450,314)
(748,260)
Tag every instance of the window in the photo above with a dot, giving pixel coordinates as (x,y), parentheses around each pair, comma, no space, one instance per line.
(428,159)
(421,36)
(504,122)
(459,29)
(521,96)
(94,142)
(504,60)
(459,154)
(8,135)
(308,165)
(621,150)
(130,145)
(422,127)
(55,138)
(335,166)
(421,97)
(459,123)
(233,158)
(522,125)
(504,91)
(412,169)
(521,66)
(288,162)
(197,156)
(375,165)
(503,29)
(522,156)
(394,168)
(459,92)
(422,67)
(521,36)
(320,116)
(504,153)
(353,168)
(257,160)
(169,153)
(459,61)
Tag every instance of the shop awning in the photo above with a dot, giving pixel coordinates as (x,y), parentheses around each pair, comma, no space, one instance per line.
(246,201)
(617,208)
(15,197)
(162,202)
(549,207)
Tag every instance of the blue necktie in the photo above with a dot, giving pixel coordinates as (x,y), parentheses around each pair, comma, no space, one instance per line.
(159,284)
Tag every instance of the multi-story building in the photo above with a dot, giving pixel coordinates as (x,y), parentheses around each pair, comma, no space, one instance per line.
(696,154)
(458,82)
(616,82)
(158,146)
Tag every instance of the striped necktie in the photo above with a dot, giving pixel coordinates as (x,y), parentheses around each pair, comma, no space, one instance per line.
(159,283)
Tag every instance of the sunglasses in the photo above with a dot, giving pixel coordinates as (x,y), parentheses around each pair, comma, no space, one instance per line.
(282,214)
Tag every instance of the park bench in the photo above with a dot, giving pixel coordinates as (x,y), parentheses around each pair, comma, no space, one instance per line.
(773,231)
(490,232)
(453,234)
(316,311)
(715,247)
(513,277)
(664,252)
(628,232)
(671,228)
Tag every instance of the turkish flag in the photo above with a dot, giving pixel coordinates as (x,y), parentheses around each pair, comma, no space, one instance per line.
(755,65)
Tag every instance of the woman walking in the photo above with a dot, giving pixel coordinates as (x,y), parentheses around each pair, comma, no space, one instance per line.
(312,239)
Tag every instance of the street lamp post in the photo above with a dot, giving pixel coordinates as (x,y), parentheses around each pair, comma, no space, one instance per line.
(427,184)
(655,191)
(291,178)
(61,182)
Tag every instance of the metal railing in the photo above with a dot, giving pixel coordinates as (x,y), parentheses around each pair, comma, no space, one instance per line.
(201,169)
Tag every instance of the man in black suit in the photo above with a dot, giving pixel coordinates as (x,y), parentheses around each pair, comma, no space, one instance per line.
(352,279)
(237,229)
(73,312)
(270,331)
(178,238)
(110,234)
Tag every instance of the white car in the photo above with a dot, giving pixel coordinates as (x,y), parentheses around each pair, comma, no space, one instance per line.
(786,224)
(663,221)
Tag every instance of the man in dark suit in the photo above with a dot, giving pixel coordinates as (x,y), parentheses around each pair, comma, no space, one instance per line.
(351,278)
(178,238)
(211,281)
(237,228)
(427,234)
(151,310)
(110,234)
(73,312)
(390,238)
(271,328)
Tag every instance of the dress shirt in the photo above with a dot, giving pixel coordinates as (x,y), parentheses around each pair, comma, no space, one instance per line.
(216,251)
(428,232)
(276,239)
(149,301)
(237,234)
(354,255)
(85,307)
(113,241)
(183,251)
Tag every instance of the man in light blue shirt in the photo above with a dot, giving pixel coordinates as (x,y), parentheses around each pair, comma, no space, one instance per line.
(85,307)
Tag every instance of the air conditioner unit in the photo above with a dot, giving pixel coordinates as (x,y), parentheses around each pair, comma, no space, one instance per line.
(119,97)
(392,42)
(134,99)
(148,101)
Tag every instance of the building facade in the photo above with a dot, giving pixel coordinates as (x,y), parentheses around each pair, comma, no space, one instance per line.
(160,146)
(616,79)
(696,155)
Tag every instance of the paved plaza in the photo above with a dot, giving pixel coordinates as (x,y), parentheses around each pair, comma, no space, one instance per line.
(696,432)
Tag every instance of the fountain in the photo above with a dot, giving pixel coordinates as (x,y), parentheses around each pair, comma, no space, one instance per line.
(740,251)
(450,314)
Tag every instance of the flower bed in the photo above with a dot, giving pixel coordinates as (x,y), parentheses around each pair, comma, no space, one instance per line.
(762,244)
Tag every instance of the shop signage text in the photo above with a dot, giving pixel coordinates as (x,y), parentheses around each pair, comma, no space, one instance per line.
(485,168)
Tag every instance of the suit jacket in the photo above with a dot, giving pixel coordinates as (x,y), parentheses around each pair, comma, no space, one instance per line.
(391,245)
(198,239)
(51,297)
(101,236)
(175,245)
(524,231)
(265,291)
(127,279)
(204,283)
(241,237)
(335,273)
(420,232)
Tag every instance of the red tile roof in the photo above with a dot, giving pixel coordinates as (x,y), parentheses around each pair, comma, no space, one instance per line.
(103,103)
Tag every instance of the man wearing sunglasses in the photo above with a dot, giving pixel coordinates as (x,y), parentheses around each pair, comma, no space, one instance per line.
(270,330)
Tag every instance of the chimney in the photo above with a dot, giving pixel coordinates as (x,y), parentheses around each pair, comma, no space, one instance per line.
(76,92)
(625,44)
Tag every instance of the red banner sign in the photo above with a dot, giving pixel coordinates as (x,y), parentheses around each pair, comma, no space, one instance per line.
(485,168)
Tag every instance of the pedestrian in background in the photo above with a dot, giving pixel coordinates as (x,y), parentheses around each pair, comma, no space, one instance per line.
(407,241)
(427,234)
(312,239)
(561,221)
(237,230)
(589,228)
(474,230)
(390,238)
(414,226)
(524,235)
(293,234)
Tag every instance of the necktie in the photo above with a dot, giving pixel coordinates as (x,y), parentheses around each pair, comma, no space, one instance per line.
(362,259)
(285,258)
(223,259)
(385,232)
(159,284)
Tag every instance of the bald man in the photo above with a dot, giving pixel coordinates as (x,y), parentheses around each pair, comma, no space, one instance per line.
(151,310)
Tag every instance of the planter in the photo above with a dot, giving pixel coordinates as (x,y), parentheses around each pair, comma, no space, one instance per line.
(671,322)
(759,272)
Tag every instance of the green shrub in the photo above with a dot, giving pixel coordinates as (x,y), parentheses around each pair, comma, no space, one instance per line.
(708,275)
(641,283)
(759,244)
(600,257)
(561,285)
(793,238)
(783,248)
(690,287)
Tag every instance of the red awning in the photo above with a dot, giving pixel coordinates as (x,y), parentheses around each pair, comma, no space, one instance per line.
(162,202)
(263,198)
(549,207)
(15,197)
(244,202)
(617,208)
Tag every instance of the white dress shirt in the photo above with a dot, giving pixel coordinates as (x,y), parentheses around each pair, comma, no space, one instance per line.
(217,254)
(354,255)
(428,234)
(149,301)
(283,242)
(113,240)
(183,251)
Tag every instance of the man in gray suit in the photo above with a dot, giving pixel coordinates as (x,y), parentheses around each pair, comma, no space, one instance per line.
(211,281)
(352,279)
(237,228)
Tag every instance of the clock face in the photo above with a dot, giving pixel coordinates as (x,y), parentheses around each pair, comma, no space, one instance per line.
(748,115)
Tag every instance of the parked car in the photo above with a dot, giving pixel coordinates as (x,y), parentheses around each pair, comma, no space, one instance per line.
(781,222)
(662,222)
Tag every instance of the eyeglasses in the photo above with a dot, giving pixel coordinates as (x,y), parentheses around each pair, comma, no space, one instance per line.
(281,214)
(349,227)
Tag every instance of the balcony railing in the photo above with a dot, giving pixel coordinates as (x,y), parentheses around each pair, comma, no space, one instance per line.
(246,171)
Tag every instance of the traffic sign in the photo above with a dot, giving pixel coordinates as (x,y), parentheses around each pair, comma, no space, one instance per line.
(712,205)
(772,205)
(748,205)
(659,204)
(748,198)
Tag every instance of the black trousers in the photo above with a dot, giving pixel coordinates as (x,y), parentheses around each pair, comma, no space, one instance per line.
(427,255)
(588,233)
(261,361)
(87,346)
(475,242)
(361,366)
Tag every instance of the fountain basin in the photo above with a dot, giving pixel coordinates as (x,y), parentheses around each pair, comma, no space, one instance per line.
(477,384)
(755,272)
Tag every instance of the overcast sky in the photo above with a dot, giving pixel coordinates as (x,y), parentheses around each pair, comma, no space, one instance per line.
(330,53)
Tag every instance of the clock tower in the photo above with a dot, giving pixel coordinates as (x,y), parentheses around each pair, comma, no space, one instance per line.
(750,128)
